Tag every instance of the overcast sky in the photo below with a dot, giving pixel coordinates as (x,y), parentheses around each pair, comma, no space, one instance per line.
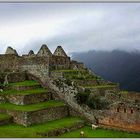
(75,26)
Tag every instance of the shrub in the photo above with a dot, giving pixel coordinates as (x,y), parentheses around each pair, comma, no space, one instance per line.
(68,82)
(82,97)
(94,103)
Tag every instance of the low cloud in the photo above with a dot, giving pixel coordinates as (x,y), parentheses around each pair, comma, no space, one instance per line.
(77,27)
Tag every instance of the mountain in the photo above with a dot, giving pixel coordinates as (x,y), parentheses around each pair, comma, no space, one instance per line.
(117,66)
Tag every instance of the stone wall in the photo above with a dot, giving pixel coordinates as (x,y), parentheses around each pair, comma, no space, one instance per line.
(56,74)
(102,91)
(19,99)
(14,63)
(122,119)
(57,132)
(16,77)
(59,62)
(8,62)
(19,88)
(86,82)
(35,117)
(49,114)
(132,96)
(74,113)
(76,65)
(6,121)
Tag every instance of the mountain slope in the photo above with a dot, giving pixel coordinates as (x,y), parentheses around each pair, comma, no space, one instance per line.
(116,66)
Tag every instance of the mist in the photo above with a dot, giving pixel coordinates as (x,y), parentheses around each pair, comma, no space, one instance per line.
(116,66)
(77,27)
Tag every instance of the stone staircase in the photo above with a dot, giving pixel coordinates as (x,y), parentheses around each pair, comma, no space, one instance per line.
(29,105)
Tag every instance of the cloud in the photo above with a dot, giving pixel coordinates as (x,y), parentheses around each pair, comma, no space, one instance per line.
(75,26)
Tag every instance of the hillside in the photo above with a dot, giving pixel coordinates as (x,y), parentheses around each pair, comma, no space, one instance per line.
(117,66)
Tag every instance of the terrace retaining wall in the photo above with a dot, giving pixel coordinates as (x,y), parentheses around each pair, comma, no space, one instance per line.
(39,116)
(20,99)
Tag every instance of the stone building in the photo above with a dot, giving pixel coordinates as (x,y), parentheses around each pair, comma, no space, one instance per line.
(11,61)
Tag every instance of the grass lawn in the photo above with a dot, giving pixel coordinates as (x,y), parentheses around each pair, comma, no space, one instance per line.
(101,86)
(99,133)
(25,92)
(32,107)
(68,71)
(25,83)
(18,131)
(4,117)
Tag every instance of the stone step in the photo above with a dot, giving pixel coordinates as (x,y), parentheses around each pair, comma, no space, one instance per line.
(26,97)
(25,85)
(47,129)
(36,113)
(5,119)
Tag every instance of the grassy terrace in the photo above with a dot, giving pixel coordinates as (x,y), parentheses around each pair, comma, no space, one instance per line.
(32,107)
(68,71)
(25,83)
(101,86)
(18,131)
(78,74)
(26,92)
(99,133)
(4,117)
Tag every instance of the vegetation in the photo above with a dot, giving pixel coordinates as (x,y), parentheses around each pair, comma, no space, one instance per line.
(99,133)
(18,131)
(4,117)
(101,86)
(82,97)
(32,107)
(123,92)
(93,102)
(78,74)
(25,92)
(25,83)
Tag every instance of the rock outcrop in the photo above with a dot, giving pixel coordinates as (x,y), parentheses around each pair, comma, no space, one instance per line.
(10,50)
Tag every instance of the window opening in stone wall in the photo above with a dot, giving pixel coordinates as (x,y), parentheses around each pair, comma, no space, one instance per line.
(124,110)
(131,111)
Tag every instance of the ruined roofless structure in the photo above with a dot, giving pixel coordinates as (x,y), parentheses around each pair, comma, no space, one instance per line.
(44,59)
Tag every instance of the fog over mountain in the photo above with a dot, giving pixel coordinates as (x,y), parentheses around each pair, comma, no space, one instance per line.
(77,27)
(117,66)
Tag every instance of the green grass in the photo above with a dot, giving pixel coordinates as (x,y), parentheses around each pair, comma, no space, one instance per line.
(32,107)
(78,74)
(4,117)
(101,86)
(25,92)
(25,83)
(68,71)
(18,131)
(99,133)
(124,92)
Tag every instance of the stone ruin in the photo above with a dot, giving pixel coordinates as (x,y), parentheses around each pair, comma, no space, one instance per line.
(44,58)
(10,50)
(44,62)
